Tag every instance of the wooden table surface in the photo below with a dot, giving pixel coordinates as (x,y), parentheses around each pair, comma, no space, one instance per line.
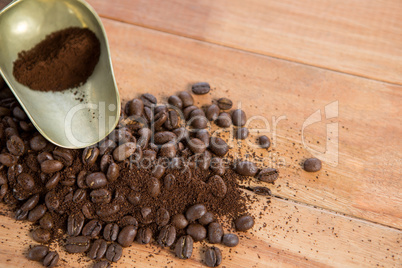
(284,60)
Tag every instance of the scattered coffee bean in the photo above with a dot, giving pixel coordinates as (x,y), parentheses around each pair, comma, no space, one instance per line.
(96,180)
(175,101)
(196,146)
(264,142)
(75,223)
(16,146)
(188,110)
(212,112)
(312,165)
(127,235)
(186,98)
(124,151)
(64,156)
(224,120)
(51,166)
(41,235)
(79,195)
(244,223)
(197,231)
(179,221)
(114,252)
(53,181)
(92,229)
(77,244)
(102,264)
(113,172)
(98,249)
(30,203)
(225,104)
(201,88)
(46,222)
(239,118)
(101,196)
(246,168)
(135,107)
(148,100)
(168,150)
(172,121)
(169,182)
(230,240)
(162,217)
(207,218)
(218,146)
(51,259)
(167,236)
(213,257)
(241,133)
(38,143)
(262,191)
(36,213)
(195,212)
(215,232)
(21,215)
(8,159)
(217,186)
(268,175)
(144,236)
(111,231)
(154,188)
(184,247)
(38,253)
(90,155)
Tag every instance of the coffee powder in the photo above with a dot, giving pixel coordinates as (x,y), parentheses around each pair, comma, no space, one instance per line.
(64,59)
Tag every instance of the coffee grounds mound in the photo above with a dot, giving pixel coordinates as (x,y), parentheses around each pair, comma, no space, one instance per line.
(64,59)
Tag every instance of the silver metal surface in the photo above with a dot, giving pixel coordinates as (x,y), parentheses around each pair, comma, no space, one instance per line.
(74,118)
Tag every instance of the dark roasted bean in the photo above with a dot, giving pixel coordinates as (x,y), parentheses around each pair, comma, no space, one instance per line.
(30,203)
(113,172)
(195,212)
(3,191)
(106,160)
(207,218)
(149,115)
(98,249)
(224,120)
(63,155)
(172,121)
(212,112)
(168,150)
(114,252)
(218,166)
(201,88)
(46,222)
(77,244)
(92,228)
(21,215)
(101,196)
(175,101)
(268,175)
(188,110)
(90,155)
(51,166)
(145,136)
(196,146)
(246,168)
(164,137)
(134,198)
(75,223)
(215,232)
(124,151)
(239,118)
(262,191)
(213,257)
(96,180)
(69,181)
(159,119)
(218,146)
(52,201)
(53,181)
(128,220)
(148,99)
(108,210)
(37,253)
(102,264)
(162,217)
(42,157)
(38,143)
(264,142)
(16,145)
(79,195)
(51,259)
(184,247)
(225,104)
(217,186)
(144,236)
(19,114)
(134,107)
(186,98)
(241,133)
(36,213)
(106,147)
(312,165)
(244,223)
(197,231)
(167,236)
(88,210)
(41,235)
(127,235)
(8,159)
(179,221)
(3,179)
(230,240)
(181,133)
(169,181)
(154,187)
(199,122)
(204,136)
(111,231)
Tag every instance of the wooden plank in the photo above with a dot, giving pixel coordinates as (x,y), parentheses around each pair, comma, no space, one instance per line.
(352,36)
(286,234)
(365,183)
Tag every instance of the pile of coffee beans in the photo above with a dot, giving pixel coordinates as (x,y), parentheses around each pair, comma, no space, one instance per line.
(160,177)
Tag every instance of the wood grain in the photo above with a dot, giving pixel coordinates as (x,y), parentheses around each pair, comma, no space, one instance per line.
(352,36)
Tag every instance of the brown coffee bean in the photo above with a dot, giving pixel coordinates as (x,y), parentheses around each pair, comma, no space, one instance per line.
(21,215)
(98,249)
(230,240)
(145,136)
(217,186)
(51,166)
(41,235)
(127,235)
(195,212)
(124,151)
(8,159)
(96,180)
(30,203)
(201,88)
(154,187)
(106,160)
(213,257)
(164,137)
(102,264)
(225,104)
(169,181)
(37,253)
(144,236)
(199,122)
(158,171)
(197,231)
(179,221)
(134,198)
(224,120)
(36,213)
(149,100)
(162,217)
(218,166)
(218,146)
(134,107)
(172,121)
(207,218)
(88,210)
(75,223)
(181,133)
(262,191)
(212,112)
(16,145)
(215,233)
(111,231)
(188,110)
(184,247)
(3,179)
(168,150)
(175,101)
(90,155)
(51,259)
(101,196)
(46,222)
(268,175)
(106,147)
(77,244)
(159,119)
(244,223)
(19,113)
(52,201)
(239,118)
(53,181)
(241,133)
(150,155)
(114,252)
(42,157)
(196,146)
(3,191)
(312,165)
(68,181)
(92,228)
(246,168)
(63,155)
(113,172)
(79,195)
(38,143)
(108,210)
(167,236)
(186,98)
(264,142)
(204,136)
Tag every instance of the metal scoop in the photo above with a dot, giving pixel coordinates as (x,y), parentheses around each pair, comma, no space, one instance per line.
(74,118)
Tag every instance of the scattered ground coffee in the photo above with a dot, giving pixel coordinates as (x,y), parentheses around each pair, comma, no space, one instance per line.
(64,59)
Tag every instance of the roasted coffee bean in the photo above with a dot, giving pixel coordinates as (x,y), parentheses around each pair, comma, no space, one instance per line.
(8,159)
(159,119)
(102,264)
(96,180)
(162,217)
(200,88)
(37,253)
(186,98)
(239,118)
(179,221)
(41,235)
(113,172)
(268,175)
(168,150)
(188,110)
(262,191)
(68,197)
(63,155)
(149,100)
(172,121)
(204,136)
(79,195)
(144,236)
(241,133)
(106,147)
(218,166)
(88,210)
(215,232)
(52,201)
(51,166)
(167,236)
(145,136)
(26,126)
(149,155)
(21,215)
(42,157)
(30,203)
(19,113)
(213,257)
(114,252)
(207,218)
(36,213)
(154,187)
(46,222)
(175,101)
(16,145)
(218,146)
(148,114)
(127,235)
(77,244)
(111,231)
(92,228)
(212,112)
(134,107)
(224,120)
(164,137)
(197,113)
(184,247)
(244,223)
(101,196)
(217,186)
(199,122)
(106,160)
(197,231)
(246,168)
(158,171)
(264,142)
(3,179)
(225,104)
(134,198)
(3,110)
(230,240)
(196,146)
(312,165)
(181,133)
(169,181)
(124,151)
(3,191)
(195,212)
(75,223)
(38,143)
(51,259)
(98,249)
(108,210)
(11,131)
(53,181)
(90,155)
